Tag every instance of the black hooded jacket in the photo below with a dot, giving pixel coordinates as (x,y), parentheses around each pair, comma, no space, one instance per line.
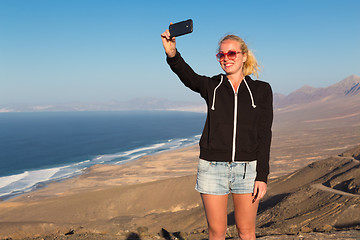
(238,125)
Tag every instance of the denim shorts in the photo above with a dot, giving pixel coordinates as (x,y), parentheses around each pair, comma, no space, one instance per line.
(221,178)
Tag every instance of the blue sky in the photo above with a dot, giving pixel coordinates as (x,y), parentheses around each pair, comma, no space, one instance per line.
(63,51)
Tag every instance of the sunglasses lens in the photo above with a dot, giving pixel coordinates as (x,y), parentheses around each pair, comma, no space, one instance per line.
(220,56)
(231,55)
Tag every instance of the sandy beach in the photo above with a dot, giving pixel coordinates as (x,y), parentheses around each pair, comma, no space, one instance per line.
(170,164)
(101,193)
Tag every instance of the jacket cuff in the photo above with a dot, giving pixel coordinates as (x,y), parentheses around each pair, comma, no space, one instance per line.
(261,176)
(173,60)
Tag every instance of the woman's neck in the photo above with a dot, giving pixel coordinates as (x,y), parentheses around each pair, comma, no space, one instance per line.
(236,80)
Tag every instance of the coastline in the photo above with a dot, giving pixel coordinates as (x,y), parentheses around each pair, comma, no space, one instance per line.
(56,207)
(49,147)
(168,164)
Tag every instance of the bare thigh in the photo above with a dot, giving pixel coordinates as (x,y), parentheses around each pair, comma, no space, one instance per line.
(216,213)
(245,213)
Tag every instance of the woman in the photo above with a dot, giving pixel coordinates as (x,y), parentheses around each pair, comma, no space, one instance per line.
(235,143)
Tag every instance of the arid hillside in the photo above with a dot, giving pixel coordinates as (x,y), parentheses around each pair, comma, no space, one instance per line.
(316,125)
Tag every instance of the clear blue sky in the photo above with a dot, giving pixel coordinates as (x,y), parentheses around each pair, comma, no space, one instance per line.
(62,51)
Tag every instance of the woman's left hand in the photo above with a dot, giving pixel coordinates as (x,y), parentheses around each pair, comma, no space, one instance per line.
(259,190)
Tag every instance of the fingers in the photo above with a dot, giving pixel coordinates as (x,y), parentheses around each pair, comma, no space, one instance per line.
(259,190)
(169,43)
(166,35)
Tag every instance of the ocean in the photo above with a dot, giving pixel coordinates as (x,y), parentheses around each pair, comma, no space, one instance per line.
(36,148)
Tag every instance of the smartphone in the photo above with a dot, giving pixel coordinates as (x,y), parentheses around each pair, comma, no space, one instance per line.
(181,28)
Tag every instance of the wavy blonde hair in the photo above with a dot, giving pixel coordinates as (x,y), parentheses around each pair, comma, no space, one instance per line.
(251,65)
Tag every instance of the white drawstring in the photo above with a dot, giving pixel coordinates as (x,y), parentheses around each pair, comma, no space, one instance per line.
(252,99)
(213,104)
(251,96)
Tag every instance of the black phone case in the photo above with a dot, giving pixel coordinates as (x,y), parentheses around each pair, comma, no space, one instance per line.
(181,28)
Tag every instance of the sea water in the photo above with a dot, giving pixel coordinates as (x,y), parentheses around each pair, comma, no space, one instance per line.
(36,148)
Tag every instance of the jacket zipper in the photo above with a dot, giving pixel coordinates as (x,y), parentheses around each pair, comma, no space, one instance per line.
(234,134)
(235,121)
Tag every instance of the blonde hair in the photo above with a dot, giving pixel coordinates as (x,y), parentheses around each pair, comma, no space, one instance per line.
(251,65)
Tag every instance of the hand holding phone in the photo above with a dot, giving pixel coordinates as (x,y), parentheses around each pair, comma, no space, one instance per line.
(169,43)
(181,28)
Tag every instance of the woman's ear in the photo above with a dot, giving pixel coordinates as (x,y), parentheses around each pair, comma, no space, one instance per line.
(244,57)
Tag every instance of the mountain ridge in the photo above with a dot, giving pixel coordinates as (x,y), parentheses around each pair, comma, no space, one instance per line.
(348,87)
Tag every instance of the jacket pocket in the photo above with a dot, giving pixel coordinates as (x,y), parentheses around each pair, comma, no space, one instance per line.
(246,139)
(221,137)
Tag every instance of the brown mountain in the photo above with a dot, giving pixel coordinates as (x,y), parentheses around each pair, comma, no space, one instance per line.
(312,124)
(340,101)
(350,86)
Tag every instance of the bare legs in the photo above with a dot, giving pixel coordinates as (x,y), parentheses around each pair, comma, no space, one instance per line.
(245,215)
(216,214)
